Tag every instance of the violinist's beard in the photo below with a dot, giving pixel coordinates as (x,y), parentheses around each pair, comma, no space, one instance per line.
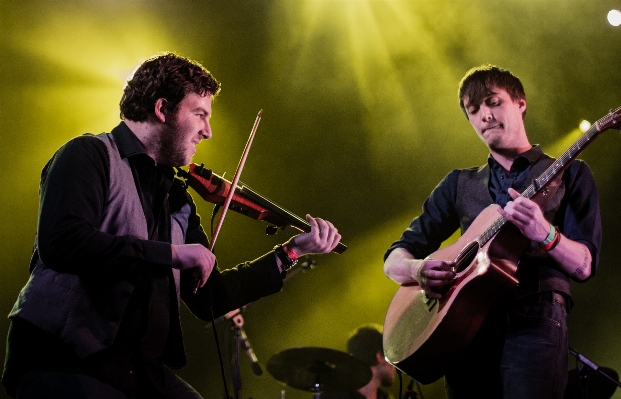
(171,146)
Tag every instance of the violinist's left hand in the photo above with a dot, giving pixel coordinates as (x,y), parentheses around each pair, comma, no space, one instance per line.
(322,238)
(526,215)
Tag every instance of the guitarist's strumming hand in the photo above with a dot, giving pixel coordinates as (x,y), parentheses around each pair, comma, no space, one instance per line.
(434,276)
(526,216)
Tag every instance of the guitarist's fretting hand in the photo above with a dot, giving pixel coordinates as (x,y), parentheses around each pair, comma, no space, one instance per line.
(526,216)
(573,257)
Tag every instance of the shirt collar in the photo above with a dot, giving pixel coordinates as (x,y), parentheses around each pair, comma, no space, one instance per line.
(129,145)
(527,158)
(127,142)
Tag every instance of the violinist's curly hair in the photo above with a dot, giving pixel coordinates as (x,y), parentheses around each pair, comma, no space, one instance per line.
(365,342)
(478,82)
(168,76)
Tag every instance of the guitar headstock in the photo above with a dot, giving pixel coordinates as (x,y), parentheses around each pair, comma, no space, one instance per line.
(610,121)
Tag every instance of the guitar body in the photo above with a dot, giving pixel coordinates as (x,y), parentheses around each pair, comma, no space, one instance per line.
(424,336)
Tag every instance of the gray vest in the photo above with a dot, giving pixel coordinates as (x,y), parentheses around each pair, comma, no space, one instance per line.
(537,272)
(64,305)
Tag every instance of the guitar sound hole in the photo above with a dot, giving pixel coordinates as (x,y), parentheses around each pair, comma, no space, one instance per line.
(466,256)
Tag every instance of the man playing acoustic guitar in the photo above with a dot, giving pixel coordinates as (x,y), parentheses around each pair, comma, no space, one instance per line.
(520,350)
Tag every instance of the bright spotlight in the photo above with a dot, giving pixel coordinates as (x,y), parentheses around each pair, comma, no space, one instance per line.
(614,17)
(584,126)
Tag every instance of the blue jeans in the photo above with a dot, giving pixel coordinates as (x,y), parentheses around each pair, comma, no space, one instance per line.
(521,351)
(38,384)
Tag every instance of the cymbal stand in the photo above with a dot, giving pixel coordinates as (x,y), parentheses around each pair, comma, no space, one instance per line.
(585,365)
(319,368)
(317,390)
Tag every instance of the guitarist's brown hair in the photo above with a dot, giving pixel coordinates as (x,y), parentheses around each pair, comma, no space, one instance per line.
(479,81)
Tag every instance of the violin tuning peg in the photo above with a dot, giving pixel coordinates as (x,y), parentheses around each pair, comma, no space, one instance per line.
(271,230)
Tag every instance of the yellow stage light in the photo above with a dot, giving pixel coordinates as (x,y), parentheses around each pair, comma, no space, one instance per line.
(585,125)
(614,17)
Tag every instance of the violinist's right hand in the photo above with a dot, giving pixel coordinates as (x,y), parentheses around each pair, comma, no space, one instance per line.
(196,258)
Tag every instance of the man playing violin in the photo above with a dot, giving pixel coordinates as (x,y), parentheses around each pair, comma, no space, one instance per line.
(119,244)
(521,349)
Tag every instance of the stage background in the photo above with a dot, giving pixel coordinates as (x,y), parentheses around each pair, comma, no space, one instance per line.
(361,121)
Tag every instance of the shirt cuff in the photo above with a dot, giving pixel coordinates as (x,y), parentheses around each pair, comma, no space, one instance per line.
(267,269)
(158,255)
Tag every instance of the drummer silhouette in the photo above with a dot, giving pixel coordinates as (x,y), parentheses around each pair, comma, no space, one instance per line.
(365,344)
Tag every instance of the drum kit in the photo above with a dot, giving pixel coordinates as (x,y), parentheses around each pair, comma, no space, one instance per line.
(323,370)
(313,369)
(319,370)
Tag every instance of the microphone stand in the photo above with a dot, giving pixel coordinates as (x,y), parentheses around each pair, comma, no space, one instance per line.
(241,341)
(585,366)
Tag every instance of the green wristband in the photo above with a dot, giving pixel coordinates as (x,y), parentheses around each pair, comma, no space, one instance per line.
(550,236)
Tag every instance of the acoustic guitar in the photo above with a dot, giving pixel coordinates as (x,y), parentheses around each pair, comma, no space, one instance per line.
(423,336)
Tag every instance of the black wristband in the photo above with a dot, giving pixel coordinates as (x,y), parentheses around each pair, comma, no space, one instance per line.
(285,260)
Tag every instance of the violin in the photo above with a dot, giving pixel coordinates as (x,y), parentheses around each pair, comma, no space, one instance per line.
(215,189)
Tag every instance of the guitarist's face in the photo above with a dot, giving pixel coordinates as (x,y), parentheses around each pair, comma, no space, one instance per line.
(497,119)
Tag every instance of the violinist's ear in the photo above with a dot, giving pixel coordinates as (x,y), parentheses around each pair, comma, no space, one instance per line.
(160,109)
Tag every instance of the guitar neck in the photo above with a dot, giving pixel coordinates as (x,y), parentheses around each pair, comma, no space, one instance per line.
(559,165)
(562,162)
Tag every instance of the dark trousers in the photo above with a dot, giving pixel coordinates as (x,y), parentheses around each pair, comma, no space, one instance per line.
(38,384)
(521,351)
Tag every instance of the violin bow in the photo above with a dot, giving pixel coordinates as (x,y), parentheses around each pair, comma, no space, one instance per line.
(233,187)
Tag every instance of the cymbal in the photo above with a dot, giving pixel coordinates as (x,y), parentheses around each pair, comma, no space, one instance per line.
(319,369)
(598,386)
